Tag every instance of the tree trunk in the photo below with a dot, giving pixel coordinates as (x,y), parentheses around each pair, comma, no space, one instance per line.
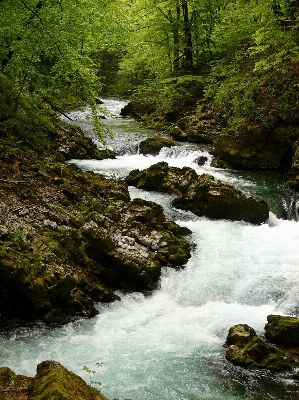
(188,51)
(175,34)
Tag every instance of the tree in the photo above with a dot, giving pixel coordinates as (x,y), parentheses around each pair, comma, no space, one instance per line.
(45,54)
(170,37)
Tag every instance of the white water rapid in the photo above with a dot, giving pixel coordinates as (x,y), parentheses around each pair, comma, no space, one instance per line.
(169,345)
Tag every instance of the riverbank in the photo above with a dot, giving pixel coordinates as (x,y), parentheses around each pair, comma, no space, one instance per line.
(69,238)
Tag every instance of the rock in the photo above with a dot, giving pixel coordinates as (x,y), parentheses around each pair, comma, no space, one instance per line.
(66,257)
(13,386)
(217,200)
(294,182)
(254,147)
(155,144)
(203,195)
(70,238)
(177,133)
(203,128)
(50,224)
(246,349)
(52,381)
(201,160)
(282,330)
(137,109)
(240,335)
(137,256)
(71,143)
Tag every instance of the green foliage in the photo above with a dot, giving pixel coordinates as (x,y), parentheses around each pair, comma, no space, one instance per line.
(169,38)
(163,101)
(91,373)
(46,61)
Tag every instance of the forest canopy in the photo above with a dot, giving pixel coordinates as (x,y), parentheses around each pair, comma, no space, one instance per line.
(58,53)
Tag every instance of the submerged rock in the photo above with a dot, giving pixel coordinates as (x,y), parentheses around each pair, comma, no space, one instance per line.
(155,144)
(52,381)
(246,349)
(201,194)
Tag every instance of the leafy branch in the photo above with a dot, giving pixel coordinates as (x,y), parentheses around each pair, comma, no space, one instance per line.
(91,373)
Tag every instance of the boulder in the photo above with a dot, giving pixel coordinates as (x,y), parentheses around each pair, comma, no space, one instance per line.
(137,109)
(201,194)
(147,243)
(282,330)
(52,381)
(254,147)
(247,350)
(217,200)
(71,143)
(155,144)
(201,160)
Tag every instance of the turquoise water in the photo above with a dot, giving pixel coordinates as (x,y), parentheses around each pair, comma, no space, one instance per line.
(169,345)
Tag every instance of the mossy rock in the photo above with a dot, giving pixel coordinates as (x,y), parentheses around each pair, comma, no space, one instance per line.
(137,109)
(104,295)
(282,330)
(149,179)
(154,145)
(13,386)
(179,253)
(255,147)
(246,349)
(56,317)
(214,199)
(240,335)
(54,382)
(201,194)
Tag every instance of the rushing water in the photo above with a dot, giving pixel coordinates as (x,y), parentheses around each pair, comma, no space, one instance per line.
(169,345)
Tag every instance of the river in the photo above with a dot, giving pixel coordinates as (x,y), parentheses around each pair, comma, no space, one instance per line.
(169,344)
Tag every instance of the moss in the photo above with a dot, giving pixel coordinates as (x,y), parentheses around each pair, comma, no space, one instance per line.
(260,355)
(99,293)
(61,291)
(248,350)
(53,244)
(113,212)
(154,145)
(13,386)
(39,296)
(55,382)
(283,330)
(56,316)
(179,254)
